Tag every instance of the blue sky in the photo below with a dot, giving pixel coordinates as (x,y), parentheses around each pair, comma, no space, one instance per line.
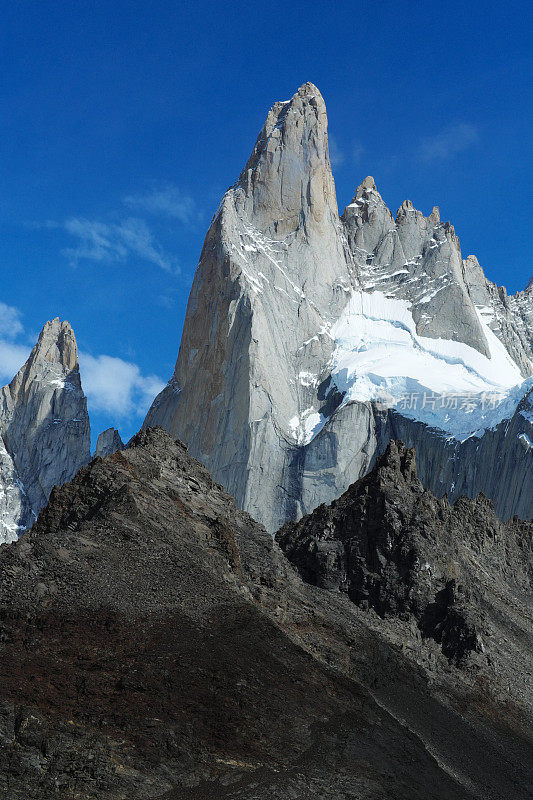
(122,124)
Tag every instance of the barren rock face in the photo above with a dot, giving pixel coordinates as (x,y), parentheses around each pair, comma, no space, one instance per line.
(44,428)
(256,392)
(274,268)
(108,442)
(157,643)
(392,546)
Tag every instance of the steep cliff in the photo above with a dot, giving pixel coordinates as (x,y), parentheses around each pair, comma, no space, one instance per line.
(274,270)
(108,442)
(44,428)
(311,340)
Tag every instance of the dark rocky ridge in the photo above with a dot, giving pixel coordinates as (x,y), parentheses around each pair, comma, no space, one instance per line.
(155,643)
(392,546)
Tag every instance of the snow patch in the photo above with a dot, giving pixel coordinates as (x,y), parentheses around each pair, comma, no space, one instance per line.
(526,441)
(448,385)
(305,426)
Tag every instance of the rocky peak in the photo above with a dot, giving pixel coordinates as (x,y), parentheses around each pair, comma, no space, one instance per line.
(407,211)
(275,268)
(44,426)
(366,195)
(366,220)
(108,442)
(397,465)
(287,179)
(435,215)
(391,546)
(366,187)
(56,347)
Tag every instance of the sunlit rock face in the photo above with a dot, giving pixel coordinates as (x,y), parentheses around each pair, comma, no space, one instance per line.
(44,428)
(108,442)
(312,339)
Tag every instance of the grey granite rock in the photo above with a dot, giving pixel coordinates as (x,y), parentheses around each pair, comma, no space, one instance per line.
(414,258)
(275,271)
(254,365)
(44,428)
(497,461)
(108,442)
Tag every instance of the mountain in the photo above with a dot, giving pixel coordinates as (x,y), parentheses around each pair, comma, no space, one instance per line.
(392,546)
(108,442)
(312,339)
(157,643)
(44,428)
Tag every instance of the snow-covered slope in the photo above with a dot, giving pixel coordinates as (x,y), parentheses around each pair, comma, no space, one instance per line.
(379,356)
(310,338)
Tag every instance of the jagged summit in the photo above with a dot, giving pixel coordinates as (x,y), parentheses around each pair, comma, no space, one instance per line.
(56,345)
(287,180)
(399,460)
(57,342)
(392,546)
(406,208)
(109,441)
(301,324)
(44,428)
(366,185)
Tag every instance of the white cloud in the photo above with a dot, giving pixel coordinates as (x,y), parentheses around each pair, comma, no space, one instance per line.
(168,201)
(357,152)
(112,385)
(117,387)
(451,140)
(10,324)
(108,242)
(336,156)
(12,357)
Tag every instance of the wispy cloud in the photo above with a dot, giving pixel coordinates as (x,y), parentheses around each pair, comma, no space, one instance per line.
(12,357)
(167,201)
(117,387)
(112,385)
(357,152)
(10,324)
(109,242)
(12,354)
(336,155)
(453,139)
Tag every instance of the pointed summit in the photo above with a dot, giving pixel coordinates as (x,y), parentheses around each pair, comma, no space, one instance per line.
(108,442)
(274,269)
(56,345)
(367,185)
(287,179)
(366,191)
(406,211)
(44,426)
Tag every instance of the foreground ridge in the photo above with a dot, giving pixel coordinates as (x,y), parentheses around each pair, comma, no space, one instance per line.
(392,546)
(157,643)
